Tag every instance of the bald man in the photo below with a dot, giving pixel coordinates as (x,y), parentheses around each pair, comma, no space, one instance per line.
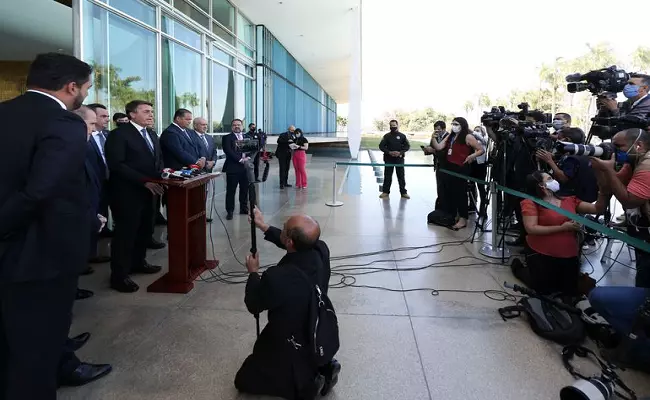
(283,152)
(205,141)
(276,367)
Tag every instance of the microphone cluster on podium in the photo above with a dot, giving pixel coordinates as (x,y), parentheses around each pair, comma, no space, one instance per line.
(185,173)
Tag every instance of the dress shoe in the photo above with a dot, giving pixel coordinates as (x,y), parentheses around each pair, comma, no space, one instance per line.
(99,260)
(125,285)
(106,233)
(85,373)
(160,220)
(84,294)
(78,341)
(405,196)
(243,211)
(331,374)
(155,245)
(229,216)
(257,180)
(208,220)
(281,187)
(147,269)
(87,271)
(287,185)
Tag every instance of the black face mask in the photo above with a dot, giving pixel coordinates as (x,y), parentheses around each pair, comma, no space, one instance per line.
(121,123)
(393,129)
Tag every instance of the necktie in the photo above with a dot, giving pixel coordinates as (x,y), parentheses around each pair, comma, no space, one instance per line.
(102,140)
(205,140)
(146,139)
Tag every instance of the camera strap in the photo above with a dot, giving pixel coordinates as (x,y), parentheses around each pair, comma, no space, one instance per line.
(607,370)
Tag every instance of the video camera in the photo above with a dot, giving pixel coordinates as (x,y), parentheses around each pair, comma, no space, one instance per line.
(606,127)
(599,82)
(248,145)
(535,133)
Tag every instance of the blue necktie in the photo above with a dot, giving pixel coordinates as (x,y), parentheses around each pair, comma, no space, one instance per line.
(144,136)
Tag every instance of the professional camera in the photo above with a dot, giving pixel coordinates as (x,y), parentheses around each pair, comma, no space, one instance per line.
(603,151)
(248,145)
(598,82)
(606,127)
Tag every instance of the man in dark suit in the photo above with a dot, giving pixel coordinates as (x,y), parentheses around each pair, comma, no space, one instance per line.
(283,152)
(235,169)
(261,137)
(207,148)
(43,223)
(134,159)
(97,143)
(178,147)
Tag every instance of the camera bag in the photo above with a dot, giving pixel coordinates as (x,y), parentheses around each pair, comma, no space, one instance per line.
(441,218)
(548,321)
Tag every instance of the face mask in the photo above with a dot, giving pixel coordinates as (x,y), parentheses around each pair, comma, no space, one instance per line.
(121,123)
(558,124)
(553,185)
(478,133)
(623,157)
(455,128)
(630,91)
(393,129)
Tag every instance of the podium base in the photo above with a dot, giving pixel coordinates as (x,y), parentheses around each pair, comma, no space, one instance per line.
(165,284)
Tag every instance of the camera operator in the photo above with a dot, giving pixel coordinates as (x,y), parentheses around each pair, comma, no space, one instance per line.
(280,364)
(574,172)
(560,121)
(638,103)
(554,264)
(439,157)
(631,187)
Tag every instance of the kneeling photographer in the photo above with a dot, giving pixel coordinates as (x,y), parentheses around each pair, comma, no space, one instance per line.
(554,264)
(631,187)
(282,361)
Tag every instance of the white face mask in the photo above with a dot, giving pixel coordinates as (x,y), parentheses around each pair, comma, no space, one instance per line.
(455,128)
(553,185)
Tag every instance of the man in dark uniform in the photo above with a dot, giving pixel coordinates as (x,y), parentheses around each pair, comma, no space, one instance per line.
(394,145)
(44,223)
(261,136)
(235,169)
(283,152)
(280,365)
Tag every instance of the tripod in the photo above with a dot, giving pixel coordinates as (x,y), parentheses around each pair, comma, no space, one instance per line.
(481,219)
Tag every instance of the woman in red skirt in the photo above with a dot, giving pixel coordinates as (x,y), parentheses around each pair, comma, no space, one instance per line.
(300,159)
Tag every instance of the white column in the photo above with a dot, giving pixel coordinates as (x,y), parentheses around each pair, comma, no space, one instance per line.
(354,116)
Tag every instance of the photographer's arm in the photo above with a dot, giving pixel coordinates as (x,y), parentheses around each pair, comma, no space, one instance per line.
(259,292)
(558,173)
(440,146)
(628,200)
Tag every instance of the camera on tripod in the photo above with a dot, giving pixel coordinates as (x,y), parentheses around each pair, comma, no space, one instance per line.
(599,82)
(248,145)
(606,127)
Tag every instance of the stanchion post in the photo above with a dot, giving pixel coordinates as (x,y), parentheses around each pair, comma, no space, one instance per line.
(493,250)
(334,202)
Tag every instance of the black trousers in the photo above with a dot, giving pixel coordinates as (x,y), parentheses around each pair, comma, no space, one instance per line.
(232,181)
(35,318)
(455,196)
(69,360)
(256,165)
(388,175)
(284,161)
(642,269)
(134,223)
(479,171)
(546,274)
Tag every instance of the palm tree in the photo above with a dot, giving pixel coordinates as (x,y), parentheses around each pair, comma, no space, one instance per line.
(641,58)
(469,107)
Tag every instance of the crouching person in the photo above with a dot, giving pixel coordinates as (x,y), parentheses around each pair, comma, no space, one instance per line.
(282,363)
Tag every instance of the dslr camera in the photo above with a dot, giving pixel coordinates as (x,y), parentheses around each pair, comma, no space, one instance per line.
(601,82)
(606,127)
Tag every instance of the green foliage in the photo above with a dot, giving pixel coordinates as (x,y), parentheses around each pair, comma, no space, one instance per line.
(421,120)
(341,121)
(107,80)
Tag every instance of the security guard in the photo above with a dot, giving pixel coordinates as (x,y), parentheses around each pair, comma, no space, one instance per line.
(394,145)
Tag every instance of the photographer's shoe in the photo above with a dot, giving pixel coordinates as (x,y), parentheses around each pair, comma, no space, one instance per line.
(405,196)
(331,373)
(384,196)
(626,355)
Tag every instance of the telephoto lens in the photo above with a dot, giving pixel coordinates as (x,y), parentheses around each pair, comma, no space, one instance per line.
(603,150)
(592,389)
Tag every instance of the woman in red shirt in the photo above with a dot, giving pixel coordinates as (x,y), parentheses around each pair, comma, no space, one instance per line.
(554,264)
(462,149)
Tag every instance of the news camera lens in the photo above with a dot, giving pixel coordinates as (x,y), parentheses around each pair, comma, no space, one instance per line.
(592,389)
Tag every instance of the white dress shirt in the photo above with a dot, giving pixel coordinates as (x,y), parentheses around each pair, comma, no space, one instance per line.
(187,135)
(50,96)
(140,128)
(99,143)
(633,104)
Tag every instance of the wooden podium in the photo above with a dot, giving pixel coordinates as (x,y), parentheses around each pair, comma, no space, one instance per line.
(186,226)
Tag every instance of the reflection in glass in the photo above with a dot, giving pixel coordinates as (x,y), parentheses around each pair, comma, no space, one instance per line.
(245,99)
(245,30)
(223,98)
(135,8)
(180,31)
(222,56)
(180,86)
(192,12)
(246,51)
(203,4)
(223,12)
(123,55)
(222,33)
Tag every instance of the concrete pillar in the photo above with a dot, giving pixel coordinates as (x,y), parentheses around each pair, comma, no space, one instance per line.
(354,113)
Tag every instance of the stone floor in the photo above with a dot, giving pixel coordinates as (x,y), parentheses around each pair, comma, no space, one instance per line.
(395,344)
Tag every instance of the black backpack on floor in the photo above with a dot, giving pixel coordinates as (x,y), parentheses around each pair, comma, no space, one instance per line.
(441,218)
(322,325)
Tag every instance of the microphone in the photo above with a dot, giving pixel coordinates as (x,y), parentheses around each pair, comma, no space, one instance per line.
(169,173)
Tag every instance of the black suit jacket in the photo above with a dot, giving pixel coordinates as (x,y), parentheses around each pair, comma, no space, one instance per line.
(94,156)
(283,143)
(233,155)
(130,162)
(179,150)
(94,188)
(43,197)
(210,152)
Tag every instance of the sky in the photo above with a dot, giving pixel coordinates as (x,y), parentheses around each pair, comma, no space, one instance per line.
(432,53)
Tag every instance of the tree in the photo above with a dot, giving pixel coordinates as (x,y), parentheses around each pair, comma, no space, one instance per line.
(341,121)
(187,100)
(379,124)
(484,101)
(468,107)
(111,88)
(641,58)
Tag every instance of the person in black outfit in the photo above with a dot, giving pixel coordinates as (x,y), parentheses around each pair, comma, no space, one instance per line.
(283,152)
(280,365)
(261,136)
(394,145)
(134,159)
(120,119)
(97,142)
(235,169)
(439,157)
(44,223)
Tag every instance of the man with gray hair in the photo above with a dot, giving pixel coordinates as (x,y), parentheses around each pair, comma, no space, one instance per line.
(205,141)
(638,102)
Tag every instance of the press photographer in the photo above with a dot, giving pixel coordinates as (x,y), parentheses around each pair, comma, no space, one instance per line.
(560,121)
(638,102)
(631,187)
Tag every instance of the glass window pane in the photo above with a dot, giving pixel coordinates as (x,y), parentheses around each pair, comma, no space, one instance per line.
(222,56)
(244,68)
(249,98)
(123,55)
(222,33)
(192,12)
(135,8)
(223,98)
(181,83)
(245,50)
(180,32)
(223,12)
(203,4)
(245,30)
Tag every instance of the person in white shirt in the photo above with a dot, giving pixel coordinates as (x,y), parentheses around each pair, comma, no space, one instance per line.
(478,169)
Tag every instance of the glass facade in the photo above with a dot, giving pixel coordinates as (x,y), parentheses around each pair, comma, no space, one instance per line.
(199,55)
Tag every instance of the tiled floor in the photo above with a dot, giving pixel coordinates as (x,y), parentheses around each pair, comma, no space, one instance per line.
(395,345)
